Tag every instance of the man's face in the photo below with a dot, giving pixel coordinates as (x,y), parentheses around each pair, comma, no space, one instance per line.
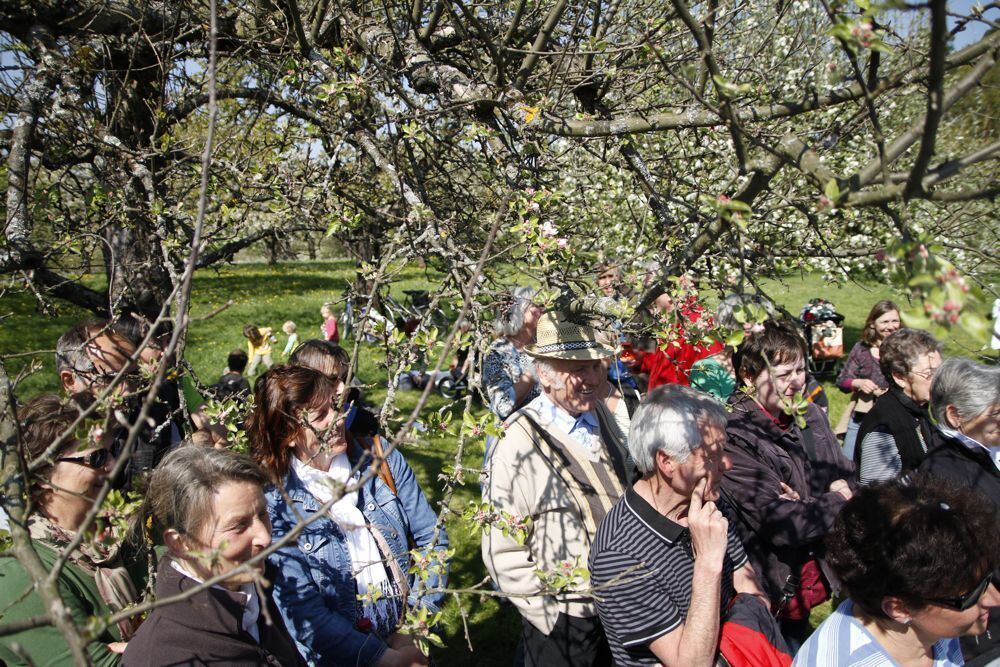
(572,385)
(708,461)
(108,353)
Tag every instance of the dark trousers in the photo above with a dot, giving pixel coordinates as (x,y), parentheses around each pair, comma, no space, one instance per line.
(573,642)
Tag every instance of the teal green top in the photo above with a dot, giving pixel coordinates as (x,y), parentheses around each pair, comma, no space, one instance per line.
(45,645)
(711,377)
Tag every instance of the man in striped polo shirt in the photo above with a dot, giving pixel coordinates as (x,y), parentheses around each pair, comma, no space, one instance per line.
(666,566)
(559,466)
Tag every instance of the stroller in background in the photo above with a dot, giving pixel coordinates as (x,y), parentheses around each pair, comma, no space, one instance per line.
(824,336)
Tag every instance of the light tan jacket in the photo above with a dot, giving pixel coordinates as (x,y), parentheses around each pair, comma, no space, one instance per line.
(565,491)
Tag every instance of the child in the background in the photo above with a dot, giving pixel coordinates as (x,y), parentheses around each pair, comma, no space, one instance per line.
(233,383)
(259,341)
(329,326)
(293,338)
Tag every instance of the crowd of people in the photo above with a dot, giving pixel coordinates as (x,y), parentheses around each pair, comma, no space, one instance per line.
(687,505)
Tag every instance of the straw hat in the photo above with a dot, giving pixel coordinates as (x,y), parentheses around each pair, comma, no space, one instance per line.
(558,339)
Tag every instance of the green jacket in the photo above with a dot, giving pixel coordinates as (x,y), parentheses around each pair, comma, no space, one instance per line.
(45,645)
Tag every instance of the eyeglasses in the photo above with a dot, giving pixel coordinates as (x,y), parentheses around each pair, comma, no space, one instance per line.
(927,374)
(96,459)
(963,602)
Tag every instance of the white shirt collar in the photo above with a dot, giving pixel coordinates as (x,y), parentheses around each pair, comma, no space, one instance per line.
(972,444)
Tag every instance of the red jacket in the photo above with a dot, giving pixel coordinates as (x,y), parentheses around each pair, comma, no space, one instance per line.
(673,365)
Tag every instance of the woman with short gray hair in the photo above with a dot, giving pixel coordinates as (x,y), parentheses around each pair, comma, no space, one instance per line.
(508,372)
(896,434)
(965,403)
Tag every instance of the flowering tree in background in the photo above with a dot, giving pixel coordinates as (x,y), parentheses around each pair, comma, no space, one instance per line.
(724,140)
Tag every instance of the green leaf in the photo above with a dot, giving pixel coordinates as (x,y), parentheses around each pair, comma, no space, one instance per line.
(832,190)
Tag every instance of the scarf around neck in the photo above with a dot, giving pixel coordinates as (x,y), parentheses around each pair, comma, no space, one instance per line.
(101,561)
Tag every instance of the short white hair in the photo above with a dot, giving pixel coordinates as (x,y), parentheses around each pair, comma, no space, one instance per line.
(670,420)
(544,367)
(970,387)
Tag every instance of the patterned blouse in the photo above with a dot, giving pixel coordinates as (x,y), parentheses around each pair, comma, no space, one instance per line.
(503,366)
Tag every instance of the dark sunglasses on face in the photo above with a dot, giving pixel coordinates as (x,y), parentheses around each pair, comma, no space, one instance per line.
(967,601)
(96,459)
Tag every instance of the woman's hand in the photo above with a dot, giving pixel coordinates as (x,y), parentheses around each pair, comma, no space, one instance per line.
(865,386)
(788,493)
(117,647)
(842,487)
(402,653)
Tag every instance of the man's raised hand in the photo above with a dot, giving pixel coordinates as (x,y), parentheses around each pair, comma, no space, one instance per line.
(709,529)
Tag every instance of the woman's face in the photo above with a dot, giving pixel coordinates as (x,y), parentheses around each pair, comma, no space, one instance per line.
(323,434)
(74,482)
(237,529)
(937,622)
(984,428)
(916,383)
(886,324)
(780,382)
(531,315)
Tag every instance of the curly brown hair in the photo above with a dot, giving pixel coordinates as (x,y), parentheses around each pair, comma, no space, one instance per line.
(914,539)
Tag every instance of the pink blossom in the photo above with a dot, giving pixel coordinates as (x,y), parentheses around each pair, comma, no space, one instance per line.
(548,229)
(562,244)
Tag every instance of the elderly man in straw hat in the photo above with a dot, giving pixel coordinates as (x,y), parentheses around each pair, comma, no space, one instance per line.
(558,466)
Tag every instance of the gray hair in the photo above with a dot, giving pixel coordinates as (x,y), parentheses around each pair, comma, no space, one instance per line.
(544,367)
(71,348)
(510,321)
(725,313)
(182,487)
(900,351)
(669,420)
(970,387)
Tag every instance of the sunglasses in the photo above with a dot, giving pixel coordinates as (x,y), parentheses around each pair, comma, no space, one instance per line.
(963,602)
(96,459)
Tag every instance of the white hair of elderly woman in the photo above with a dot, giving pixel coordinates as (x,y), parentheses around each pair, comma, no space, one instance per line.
(970,387)
(509,322)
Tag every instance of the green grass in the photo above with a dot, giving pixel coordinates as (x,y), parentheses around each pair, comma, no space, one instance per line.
(269,295)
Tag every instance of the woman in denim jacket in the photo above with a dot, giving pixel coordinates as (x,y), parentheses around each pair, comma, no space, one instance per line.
(340,591)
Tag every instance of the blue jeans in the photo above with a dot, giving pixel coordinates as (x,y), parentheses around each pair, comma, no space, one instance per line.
(851,437)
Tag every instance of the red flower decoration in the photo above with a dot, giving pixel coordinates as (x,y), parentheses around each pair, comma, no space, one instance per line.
(364,625)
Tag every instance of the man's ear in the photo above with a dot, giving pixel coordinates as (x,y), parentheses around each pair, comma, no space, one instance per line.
(67,379)
(664,464)
(895,609)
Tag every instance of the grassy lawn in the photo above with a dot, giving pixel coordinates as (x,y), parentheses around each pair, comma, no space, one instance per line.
(269,295)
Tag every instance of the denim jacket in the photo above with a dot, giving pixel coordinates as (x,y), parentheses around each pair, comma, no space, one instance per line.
(314,588)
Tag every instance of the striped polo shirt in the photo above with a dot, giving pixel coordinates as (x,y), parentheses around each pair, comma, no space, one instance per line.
(642,564)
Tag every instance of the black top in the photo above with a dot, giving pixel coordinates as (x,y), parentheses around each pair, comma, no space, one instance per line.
(907,422)
(206,629)
(969,465)
(653,598)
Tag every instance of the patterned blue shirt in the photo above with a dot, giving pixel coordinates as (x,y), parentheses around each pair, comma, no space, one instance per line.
(584,430)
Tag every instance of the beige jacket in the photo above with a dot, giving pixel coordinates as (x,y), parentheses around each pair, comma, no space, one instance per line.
(565,493)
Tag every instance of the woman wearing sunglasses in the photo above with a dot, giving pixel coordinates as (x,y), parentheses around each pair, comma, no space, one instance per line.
(917,559)
(97,579)
(343,584)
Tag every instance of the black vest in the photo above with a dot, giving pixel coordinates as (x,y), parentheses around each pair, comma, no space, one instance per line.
(903,418)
